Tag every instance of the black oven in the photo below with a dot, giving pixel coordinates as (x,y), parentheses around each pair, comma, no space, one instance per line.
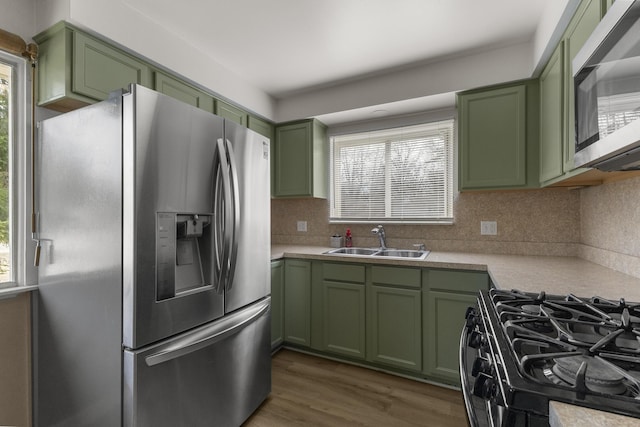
(519,351)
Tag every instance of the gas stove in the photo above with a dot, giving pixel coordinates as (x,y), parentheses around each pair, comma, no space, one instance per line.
(521,350)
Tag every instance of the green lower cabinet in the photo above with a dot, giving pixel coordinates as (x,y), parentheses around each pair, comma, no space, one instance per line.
(446,294)
(297,302)
(179,90)
(444,320)
(343,319)
(277,306)
(394,331)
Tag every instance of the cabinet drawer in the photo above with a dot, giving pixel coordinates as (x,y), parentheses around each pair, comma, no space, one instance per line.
(457,281)
(343,272)
(396,276)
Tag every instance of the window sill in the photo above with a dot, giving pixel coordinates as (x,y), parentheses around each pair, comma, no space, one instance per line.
(16,290)
(384,221)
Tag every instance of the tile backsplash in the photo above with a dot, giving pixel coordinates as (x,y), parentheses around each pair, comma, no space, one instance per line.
(600,224)
(610,225)
(533,222)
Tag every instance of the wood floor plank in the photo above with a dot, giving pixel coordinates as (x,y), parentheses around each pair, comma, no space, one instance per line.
(313,391)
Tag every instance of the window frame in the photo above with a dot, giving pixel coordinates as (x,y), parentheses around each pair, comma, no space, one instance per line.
(23,273)
(450,185)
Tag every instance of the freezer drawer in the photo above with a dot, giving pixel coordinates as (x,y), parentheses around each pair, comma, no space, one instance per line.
(215,375)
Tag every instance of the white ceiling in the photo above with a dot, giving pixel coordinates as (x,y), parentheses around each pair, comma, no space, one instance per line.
(287,47)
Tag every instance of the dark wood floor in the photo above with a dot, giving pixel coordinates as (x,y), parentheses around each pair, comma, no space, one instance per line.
(313,391)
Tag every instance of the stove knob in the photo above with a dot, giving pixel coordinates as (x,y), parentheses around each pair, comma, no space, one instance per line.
(485,386)
(476,339)
(481,366)
(471,318)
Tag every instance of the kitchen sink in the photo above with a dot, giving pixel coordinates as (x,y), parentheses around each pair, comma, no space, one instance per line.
(402,253)
(353,251)
(377,252)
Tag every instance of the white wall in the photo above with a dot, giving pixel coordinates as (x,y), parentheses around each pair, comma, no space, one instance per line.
(18,17)
(455,74)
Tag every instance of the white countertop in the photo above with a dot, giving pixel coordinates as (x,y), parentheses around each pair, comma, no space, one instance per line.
(554,275)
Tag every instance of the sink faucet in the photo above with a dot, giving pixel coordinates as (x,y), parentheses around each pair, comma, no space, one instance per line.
(379,231)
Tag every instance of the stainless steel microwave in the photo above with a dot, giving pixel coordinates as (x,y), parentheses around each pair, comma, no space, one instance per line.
(606,74)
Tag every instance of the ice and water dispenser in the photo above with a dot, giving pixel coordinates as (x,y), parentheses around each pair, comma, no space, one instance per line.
(184,244)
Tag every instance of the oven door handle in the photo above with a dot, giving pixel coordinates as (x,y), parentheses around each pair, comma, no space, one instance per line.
(466,390)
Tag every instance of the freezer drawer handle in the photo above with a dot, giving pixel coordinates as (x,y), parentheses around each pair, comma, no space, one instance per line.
(208,336)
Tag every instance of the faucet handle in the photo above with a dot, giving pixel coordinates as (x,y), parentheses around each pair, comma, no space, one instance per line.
(420,246)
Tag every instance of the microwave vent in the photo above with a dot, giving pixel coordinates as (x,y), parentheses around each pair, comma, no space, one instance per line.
(627,161)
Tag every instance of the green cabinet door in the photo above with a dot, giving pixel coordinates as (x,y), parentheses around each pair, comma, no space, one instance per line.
(444,320)
(552,117)
(446,294)
(177,89)
(99,69)
(261,126)
(297,302)
(492,128)
(343,318)
(228,111)
(75,69)
(277,303)
(580,28)
(300,160)
(394,330)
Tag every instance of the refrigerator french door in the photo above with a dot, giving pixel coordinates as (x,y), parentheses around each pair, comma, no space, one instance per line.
(153,218)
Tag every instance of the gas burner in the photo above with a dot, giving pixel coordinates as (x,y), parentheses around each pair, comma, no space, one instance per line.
(599,376)
(539,347)
(534,309)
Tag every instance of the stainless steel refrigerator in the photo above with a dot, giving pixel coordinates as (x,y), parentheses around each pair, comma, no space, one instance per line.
(153,306)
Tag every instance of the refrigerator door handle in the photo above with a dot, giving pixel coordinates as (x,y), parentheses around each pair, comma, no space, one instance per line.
(223,214)
(210,335)
(234,214)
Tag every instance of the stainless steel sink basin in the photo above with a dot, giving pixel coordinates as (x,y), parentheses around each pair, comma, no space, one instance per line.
(402,253)
(353,251)
(376,252)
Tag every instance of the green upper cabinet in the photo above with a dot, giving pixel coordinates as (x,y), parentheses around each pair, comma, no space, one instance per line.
(580,28)
(228,111)
(177,89)
(552,132)
(498,131)
(75,69)
(263,127)
(446,294)
(300,153)
(557,107)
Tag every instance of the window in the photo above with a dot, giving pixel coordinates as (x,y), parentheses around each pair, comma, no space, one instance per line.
(5,166)
(13,151)
(394,175)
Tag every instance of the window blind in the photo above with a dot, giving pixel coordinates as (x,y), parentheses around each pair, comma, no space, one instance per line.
(401,174)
